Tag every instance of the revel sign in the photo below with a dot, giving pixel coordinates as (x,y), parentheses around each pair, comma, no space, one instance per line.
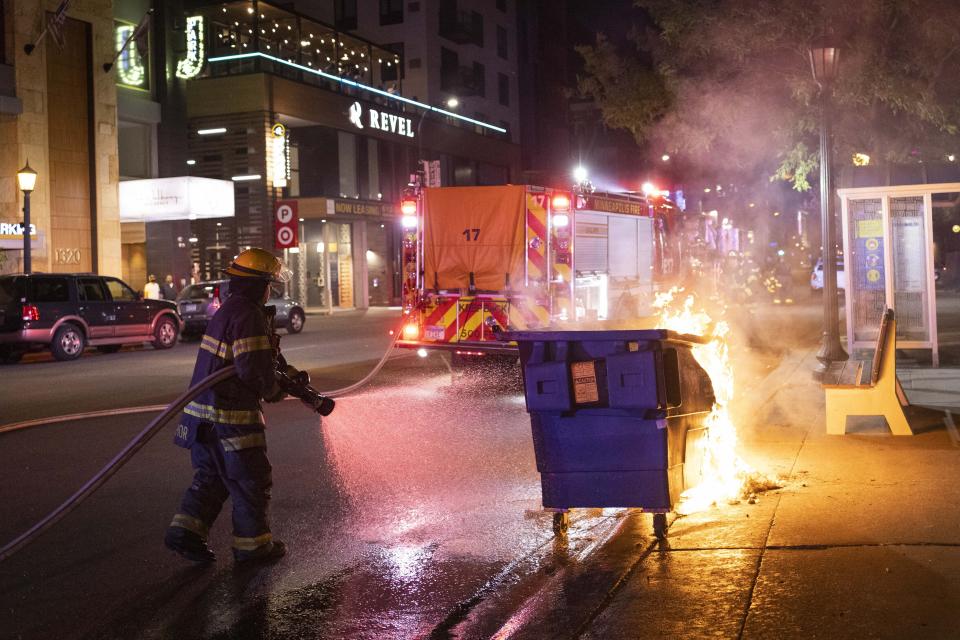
(380,120)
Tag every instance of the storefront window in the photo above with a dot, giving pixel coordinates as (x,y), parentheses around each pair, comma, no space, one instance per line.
(347,144)
(324,270)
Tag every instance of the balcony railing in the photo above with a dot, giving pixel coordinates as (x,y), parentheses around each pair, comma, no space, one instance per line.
(257,37)
(462,27)
(237,28)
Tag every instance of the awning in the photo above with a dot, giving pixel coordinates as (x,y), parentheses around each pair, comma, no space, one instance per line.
(181,198)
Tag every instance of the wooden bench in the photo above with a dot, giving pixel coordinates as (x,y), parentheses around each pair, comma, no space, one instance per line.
(881,395)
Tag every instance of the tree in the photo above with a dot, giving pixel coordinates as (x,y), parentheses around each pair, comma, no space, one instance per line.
(728,84)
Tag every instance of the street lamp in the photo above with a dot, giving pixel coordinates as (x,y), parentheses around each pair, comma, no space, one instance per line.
(824,62)
(26,180)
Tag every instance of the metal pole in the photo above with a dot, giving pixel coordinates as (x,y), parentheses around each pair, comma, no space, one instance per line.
(830,349)
(26,232)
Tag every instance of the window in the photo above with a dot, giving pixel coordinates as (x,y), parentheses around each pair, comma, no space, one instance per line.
(477,25)
(394,71)
(119,291)
(91,290)
(345,14)
(503,89)
(449,69)
(11,289)
(502,42)
(347,146)
(391,12)
(50,290)
(480,78)
(202,291)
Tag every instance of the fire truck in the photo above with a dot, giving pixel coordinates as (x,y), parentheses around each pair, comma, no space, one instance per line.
(477,261)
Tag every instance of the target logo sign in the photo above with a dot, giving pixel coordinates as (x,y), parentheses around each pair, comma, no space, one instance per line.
(285,225)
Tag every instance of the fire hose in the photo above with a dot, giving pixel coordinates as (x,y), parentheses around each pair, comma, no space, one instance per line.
(296,383)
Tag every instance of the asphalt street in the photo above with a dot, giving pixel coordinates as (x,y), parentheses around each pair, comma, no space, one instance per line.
(141,375)
(413,511)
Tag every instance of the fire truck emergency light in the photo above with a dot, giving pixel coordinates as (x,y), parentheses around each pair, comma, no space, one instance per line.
(409,222)
(408,207)
(411,331)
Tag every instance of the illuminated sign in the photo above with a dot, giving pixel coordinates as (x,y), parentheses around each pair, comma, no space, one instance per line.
(131,70)
(279,156)
(191,66)
(182,198)
(361,208)
(609,205)
(352,83)
(11,236)
(381,120)
(14,230)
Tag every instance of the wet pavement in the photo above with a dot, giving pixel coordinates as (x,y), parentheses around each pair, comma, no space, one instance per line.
(414,512)
(398,522)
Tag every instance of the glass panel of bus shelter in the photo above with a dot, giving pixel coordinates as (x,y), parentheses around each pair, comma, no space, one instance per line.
(864,268)
(909,246)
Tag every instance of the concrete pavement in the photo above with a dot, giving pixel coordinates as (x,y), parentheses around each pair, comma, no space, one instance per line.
(862,541)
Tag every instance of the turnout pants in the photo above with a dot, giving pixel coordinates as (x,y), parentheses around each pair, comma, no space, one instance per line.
(228,464)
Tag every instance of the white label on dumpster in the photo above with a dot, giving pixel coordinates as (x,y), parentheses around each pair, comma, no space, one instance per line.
(584,382)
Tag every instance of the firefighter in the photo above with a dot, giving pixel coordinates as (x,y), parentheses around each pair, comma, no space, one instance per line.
(224,426)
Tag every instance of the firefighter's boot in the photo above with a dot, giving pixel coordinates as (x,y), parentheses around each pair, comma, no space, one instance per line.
(189,545)
(270,552)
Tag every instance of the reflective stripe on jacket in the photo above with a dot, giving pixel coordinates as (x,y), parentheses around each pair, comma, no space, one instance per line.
(238,335)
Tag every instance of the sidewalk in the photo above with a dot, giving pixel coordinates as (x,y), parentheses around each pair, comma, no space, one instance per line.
(863,541)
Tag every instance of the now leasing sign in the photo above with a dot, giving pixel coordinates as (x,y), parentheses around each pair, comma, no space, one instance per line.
(380,120)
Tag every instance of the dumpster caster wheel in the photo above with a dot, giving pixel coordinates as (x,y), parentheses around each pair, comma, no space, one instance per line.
(561,522)
(660,525)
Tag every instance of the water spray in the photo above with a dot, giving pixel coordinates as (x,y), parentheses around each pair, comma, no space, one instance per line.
(294,382)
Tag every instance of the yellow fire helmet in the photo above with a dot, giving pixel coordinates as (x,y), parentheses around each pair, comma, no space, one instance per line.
(258,263)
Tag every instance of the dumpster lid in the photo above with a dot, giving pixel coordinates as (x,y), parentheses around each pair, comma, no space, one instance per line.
(597,336)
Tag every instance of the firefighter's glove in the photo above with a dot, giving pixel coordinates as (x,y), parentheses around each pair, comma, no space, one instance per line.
(275,345)
(276,394)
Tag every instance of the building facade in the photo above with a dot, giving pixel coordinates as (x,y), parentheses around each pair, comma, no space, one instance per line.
(293,110)
(58,111)
(328,106)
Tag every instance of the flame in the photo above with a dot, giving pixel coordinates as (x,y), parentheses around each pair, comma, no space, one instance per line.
(724,473)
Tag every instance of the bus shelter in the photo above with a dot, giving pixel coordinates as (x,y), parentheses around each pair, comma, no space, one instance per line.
(889,263)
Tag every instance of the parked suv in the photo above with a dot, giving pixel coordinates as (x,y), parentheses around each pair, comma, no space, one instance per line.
(198,302)
(67,312)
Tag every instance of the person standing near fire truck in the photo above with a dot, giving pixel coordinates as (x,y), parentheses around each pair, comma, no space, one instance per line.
(224,426)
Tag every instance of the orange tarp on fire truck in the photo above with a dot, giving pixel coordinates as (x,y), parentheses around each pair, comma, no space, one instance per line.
(473,230)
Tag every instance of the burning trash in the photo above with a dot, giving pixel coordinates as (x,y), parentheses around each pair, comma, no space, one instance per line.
(725,476)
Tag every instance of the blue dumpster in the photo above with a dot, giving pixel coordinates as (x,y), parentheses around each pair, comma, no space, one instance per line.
(612,413)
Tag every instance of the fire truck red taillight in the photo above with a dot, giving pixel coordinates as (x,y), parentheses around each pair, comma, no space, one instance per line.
(561,203)
(411,331)
(30,312)
(408,207)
